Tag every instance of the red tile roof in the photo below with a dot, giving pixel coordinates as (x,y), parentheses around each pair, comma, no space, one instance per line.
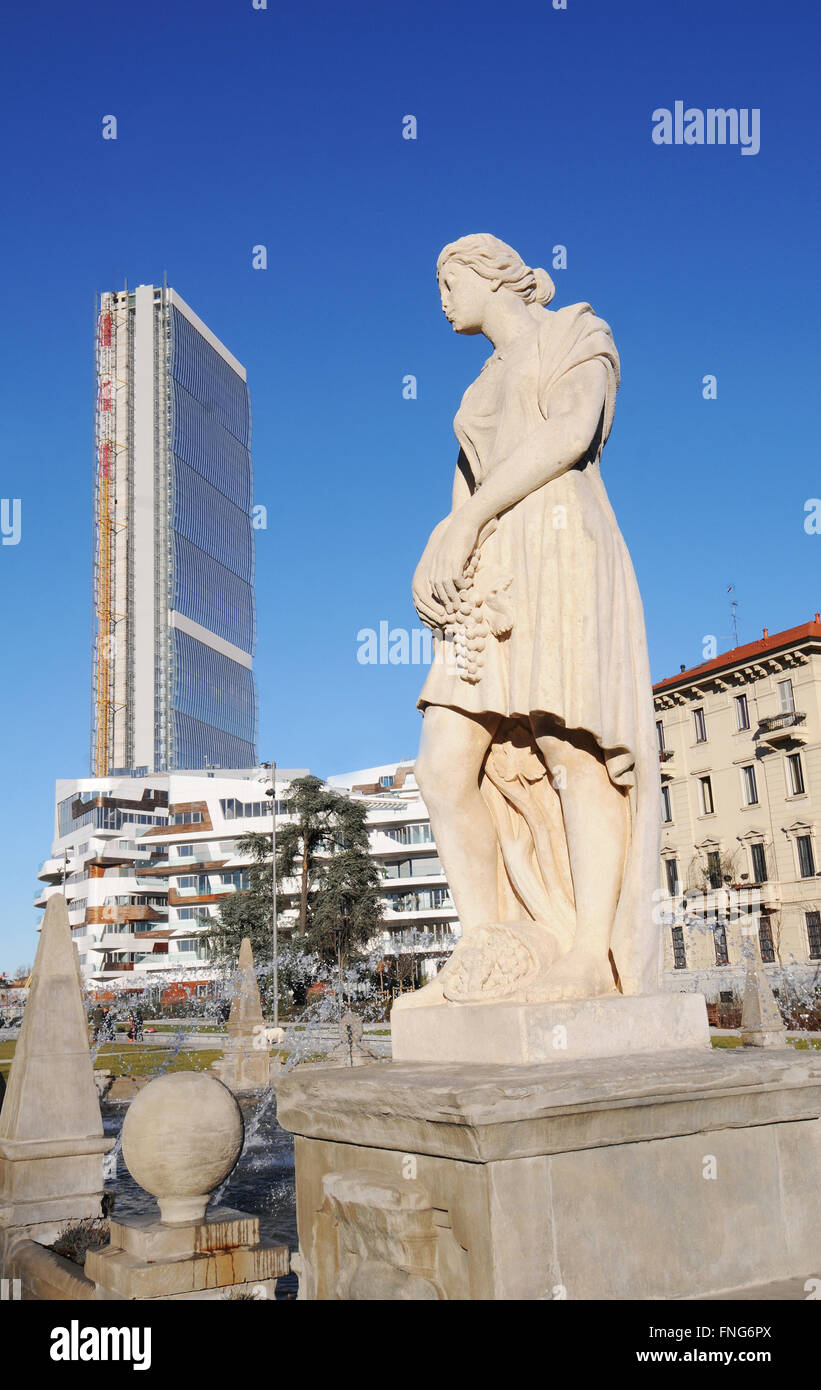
(766,644)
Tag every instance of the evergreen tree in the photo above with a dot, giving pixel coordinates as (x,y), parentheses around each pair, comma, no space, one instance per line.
(316,812)
(346,907)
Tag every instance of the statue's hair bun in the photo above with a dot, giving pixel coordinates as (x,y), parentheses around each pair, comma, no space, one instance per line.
(545,289)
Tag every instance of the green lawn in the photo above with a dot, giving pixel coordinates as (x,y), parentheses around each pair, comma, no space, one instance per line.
(136,1059)
(183,1028)
(143,1059)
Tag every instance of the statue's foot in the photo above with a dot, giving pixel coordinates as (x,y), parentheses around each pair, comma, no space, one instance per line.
(576,976)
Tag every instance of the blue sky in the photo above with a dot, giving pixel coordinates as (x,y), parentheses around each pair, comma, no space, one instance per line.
(284,127)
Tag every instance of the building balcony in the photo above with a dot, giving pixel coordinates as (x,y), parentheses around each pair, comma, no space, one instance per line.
(173,960)
(770,894)
(51,870)
(436,914)
(778,729)
(667,763)
(119,943)
(418,943)
(410,883)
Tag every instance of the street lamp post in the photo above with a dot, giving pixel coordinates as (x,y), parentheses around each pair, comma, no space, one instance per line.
(272,792)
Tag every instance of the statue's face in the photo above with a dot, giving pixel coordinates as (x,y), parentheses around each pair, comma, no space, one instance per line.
(464,297)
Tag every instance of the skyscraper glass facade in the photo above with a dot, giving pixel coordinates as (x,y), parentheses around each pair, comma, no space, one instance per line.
(212,697)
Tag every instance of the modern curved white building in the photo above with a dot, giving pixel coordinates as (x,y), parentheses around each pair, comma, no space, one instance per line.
(145,860)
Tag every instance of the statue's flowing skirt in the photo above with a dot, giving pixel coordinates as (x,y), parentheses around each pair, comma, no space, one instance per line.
(557,570)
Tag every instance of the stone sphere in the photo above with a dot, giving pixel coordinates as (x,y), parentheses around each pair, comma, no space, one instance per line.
(182,1136)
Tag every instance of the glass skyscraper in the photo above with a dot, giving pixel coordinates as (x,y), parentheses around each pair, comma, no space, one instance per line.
(175,622)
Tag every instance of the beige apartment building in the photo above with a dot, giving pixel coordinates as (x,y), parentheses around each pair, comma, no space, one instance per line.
(740,757)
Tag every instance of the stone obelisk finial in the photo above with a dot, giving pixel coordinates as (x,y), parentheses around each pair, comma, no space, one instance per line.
(51,1130)
(246,1065)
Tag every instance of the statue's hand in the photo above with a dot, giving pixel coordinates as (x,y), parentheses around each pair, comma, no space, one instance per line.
(450,554)
(422,601)
(429,611)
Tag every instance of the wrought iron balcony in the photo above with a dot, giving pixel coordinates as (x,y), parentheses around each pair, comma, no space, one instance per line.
(783,728)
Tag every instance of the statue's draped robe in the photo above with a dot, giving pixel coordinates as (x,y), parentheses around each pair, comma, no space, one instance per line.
(561,635)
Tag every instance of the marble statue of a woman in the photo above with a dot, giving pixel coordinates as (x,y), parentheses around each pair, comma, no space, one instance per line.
(538,760)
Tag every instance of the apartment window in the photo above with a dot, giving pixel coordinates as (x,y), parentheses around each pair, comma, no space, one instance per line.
(814,934)
(765,939)
(418,834)
(720,943)
(666,808)
(423,901)
(786,699)
(660,735)
(679,953)
(236,878)
(707,803)
(759,859)
(795,774)
(386,780)
(742,712)
(806,857)
(700,726)
(671,870)
(185,818)
(714,868)
(185,851)
(750,786)
(244,810)
(420,867)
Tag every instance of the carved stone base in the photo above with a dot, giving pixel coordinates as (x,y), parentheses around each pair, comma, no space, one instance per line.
(212,1258)
(660,1176)
(556,1032)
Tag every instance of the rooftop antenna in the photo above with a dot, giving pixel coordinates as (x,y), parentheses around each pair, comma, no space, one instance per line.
(734,615)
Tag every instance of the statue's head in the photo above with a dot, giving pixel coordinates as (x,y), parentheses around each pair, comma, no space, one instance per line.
(474,267)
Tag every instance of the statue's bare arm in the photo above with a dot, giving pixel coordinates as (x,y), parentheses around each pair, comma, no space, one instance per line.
(559,442)
(556,445)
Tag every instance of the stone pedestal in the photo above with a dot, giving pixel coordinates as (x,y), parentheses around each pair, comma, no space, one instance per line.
(616,1025)
(200,1260)
(660,1176)
(49,1183)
